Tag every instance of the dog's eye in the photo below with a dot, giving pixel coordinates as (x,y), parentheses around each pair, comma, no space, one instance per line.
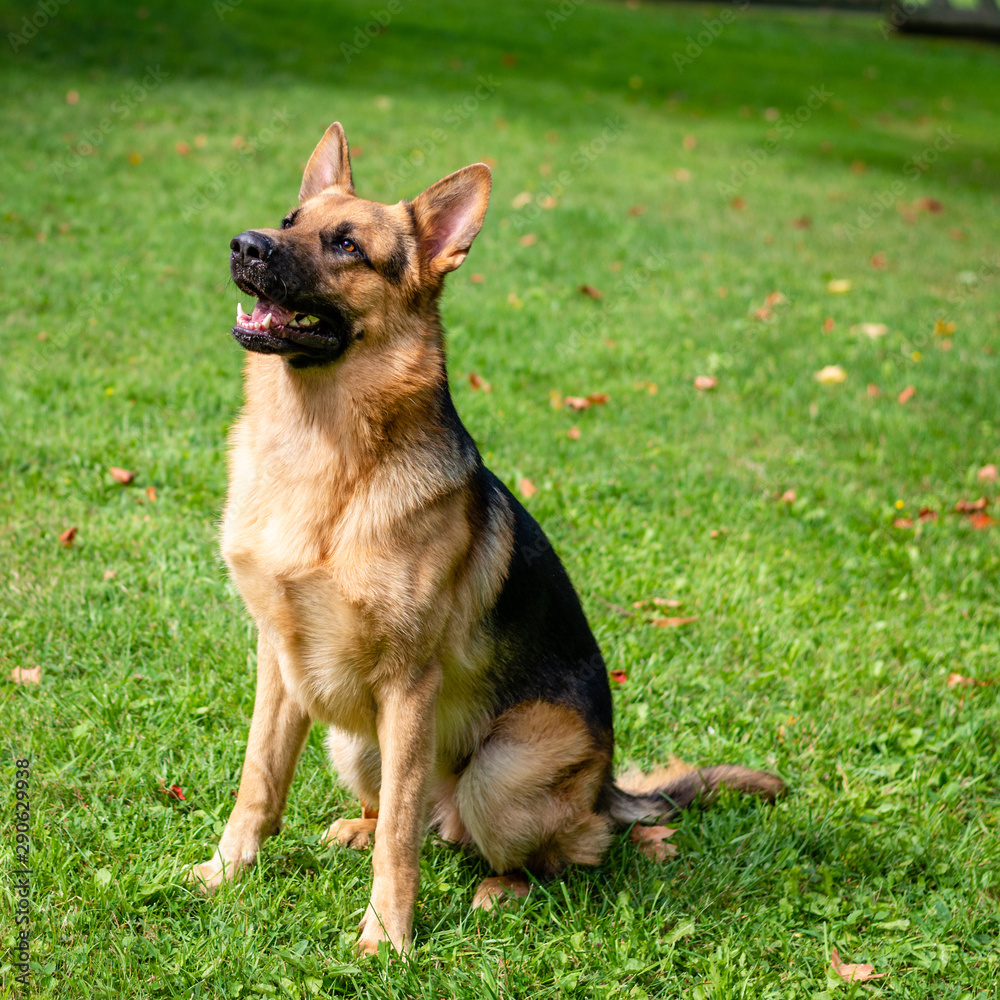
(348,245)
(286,223)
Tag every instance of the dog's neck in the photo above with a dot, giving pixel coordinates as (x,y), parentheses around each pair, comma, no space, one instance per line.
(368,403)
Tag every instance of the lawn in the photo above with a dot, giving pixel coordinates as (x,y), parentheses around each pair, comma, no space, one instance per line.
(745,189)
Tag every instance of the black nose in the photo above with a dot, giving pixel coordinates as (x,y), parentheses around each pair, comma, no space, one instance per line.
(251,246)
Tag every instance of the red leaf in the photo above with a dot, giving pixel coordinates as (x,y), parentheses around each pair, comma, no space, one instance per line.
(828,324)
(598,398)
(907,394)
(981,520)
(590,291)
(926,514)
(122,476)
(477,382)
(175,792)
(853,973)
(619,676)
(151,493)
(67,537)
(878,261)
(738,202)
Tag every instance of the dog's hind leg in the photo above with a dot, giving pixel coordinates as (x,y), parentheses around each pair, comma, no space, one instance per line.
(358,763)
(277,733)
(528,797)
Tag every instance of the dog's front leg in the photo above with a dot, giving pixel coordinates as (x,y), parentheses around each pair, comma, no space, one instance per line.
(277,733)
(406,714)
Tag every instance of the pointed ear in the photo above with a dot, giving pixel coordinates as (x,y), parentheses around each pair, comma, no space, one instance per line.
(449,214)
(329,165)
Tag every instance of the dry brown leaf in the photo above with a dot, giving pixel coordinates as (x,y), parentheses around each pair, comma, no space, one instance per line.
(903,522)
(673,622)
(957,680)
(971,506)
(527,487)
(705,383)
(652,841)
(478,382)
(690,142)
(67,537)
(926,514)
(151,493)
(476,278)
(931,205)
(788,496)
(22,675)
(853,973)
(636,210)
(573,434)
(738,202)
(528,240)
(598,398)
(183,148)
(802,222)
(907,394)
(590,291)
(666,602)
(878,261)
(122,476)
(576,403)
(988,474)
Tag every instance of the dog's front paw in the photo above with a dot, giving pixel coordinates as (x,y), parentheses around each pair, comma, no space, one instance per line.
(373,931)
(356,833)
(209,875)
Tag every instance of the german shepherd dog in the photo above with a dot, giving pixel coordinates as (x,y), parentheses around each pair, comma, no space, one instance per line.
(402,595)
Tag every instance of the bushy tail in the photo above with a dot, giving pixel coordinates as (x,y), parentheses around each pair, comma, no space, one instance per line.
(652,798)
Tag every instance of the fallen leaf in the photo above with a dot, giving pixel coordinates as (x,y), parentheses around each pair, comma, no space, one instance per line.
(858,167)
(763,313)
(774,299)
(831,375)
(520,200)
(590,291)
(476,278)
(598,398)
(690,142)
(682,174)
(110,574)
(619,676)
(873,391)
(788,496)
(828,325)
(871,330)
(878,261)
(838,286)
(548,202)
(931,205)
(576,403)
(944,328)
(926,514)
(981,520)
(705,383)
(201,140)
(636,210)
(22,675)
(183,148)
(956,234)
(67,537)
(122,476)
(528,239)
(666,602)
(72,97)
(803,222)
(907,394)
(527,487)
(673,622)
(971,506)
(903,522)
(151,493)
(573,434)
(988,474)
(738,202)
(175,792)
(957,680)
(853,973)
(478,382)
(652,841)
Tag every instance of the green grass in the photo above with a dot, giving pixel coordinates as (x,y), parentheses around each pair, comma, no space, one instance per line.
(824,635)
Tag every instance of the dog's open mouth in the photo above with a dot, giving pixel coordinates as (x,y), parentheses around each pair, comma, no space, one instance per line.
(274,329)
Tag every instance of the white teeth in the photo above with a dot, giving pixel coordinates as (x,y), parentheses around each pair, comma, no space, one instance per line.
(266,324)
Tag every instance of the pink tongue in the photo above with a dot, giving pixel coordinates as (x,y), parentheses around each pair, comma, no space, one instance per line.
(279,314)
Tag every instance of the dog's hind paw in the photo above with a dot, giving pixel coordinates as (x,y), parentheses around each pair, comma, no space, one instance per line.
(494,891)
(354,833)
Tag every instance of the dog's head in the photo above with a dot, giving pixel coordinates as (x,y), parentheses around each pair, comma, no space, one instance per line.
(341,269)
